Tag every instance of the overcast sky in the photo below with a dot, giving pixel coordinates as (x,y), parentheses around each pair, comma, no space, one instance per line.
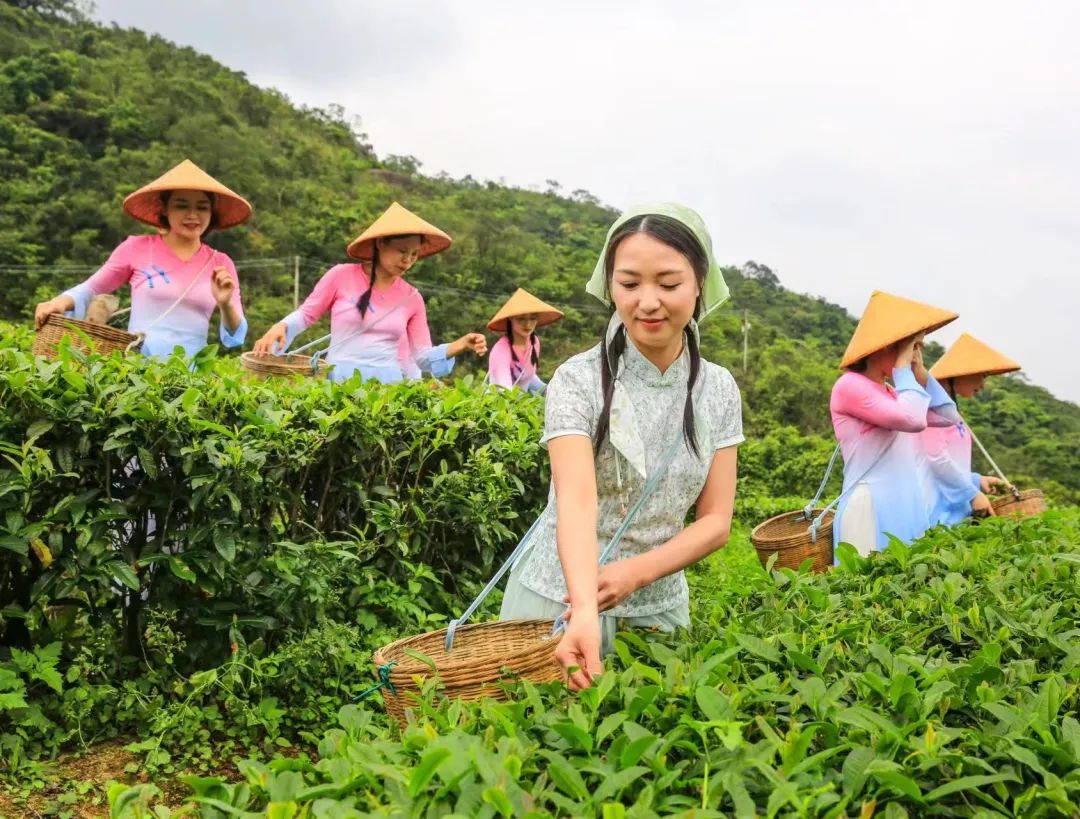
(931,149)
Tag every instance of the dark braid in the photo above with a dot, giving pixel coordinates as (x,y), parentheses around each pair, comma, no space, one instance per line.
(695,367)
(676,235)
(534,344)
(365,300)
(609,371)
(510,339)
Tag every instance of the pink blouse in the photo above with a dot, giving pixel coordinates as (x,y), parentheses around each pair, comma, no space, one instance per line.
(388,343)
(505,372)
(158,278)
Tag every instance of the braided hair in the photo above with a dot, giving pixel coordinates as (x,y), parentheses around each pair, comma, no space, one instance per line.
(365,299)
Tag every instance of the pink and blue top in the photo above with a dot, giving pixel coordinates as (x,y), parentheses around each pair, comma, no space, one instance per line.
(158,277)
(390,343)
(504,371)
(948,452)
(867,417)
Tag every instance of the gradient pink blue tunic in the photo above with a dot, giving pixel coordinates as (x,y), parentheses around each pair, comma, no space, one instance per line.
(391,342)
(158,277)
(948,452)
(878,427)
(505,372)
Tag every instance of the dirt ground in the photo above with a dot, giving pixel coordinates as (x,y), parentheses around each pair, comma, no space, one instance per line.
(76,785)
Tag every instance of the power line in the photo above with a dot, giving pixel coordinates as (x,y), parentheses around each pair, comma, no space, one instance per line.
(308,265)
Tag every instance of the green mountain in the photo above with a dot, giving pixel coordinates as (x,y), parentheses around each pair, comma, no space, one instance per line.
(92,112)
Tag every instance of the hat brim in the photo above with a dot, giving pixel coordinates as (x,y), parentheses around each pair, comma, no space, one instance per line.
(543,319)
(364,250)
(146,206)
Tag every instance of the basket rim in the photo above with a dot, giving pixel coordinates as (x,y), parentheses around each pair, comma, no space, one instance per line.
(413,666)
(103,331)
(270,363)
(1023,494)
(755,537)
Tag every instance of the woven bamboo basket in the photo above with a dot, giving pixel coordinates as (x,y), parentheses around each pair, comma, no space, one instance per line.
(788,537)
(85,336)
(265,366)
(483,655)
(1023,504)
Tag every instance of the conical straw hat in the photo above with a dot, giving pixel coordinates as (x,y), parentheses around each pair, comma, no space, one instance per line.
(398,221)
(522,303)
(145,204)
(888,319)
(969,356)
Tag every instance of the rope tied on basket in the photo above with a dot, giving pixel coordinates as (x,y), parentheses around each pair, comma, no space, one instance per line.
(384,682)
(808,510)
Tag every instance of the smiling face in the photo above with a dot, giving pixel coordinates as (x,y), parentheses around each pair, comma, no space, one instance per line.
(655,291)
(188,214)
(399,253)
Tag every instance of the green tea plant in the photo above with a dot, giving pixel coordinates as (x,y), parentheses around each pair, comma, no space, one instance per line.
(937,680)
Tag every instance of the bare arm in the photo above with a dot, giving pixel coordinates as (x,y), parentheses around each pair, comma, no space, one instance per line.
(574,476)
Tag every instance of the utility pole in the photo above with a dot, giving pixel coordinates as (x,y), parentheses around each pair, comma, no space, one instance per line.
(296,282)
(745,341)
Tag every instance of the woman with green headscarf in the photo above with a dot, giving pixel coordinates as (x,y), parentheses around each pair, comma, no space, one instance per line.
(621,461)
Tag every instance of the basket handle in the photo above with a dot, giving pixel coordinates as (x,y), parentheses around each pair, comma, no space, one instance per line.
(993,465)
(808,510)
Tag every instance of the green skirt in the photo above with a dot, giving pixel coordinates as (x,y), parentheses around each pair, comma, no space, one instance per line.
(521,603)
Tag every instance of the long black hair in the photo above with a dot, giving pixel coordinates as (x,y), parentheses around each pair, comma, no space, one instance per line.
(534,353)
(365,299)
(677,236)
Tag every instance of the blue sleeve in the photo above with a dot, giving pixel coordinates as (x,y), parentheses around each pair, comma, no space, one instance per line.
(81,295)
(435,361)
(237,336)
(938,396)
(904,380)
(294,326)
(535,385)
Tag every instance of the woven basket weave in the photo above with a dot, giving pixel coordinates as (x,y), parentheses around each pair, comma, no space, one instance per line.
(483,655)
(1023,504)
(85,336)
(788,537)
(265,366)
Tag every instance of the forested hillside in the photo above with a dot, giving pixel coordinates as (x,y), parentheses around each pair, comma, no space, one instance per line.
(92,112)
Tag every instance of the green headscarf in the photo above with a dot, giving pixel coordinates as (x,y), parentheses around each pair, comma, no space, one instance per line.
(714,290)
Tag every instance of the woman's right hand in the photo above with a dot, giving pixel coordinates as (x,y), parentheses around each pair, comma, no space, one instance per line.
(47,308)
(272,341)
(579,648)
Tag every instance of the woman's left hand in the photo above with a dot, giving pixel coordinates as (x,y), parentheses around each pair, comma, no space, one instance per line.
(222,286)
(617,581)
(987,483)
